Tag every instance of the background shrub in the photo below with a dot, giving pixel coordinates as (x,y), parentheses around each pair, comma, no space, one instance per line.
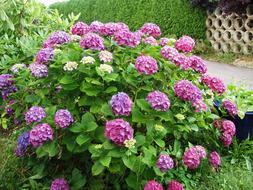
(174,17)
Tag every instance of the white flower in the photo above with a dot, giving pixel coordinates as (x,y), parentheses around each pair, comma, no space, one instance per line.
(105,68)
(70,66)
(130,143)
(17,67)
(88,60)
(105,56)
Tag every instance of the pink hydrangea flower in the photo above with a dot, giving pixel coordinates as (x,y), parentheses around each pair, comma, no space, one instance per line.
(214,160)
(185,44)
(111,28)
(92,41)
(80,29)
(35,114)
(175,185)
(57,38)
(214,83)
(192,156)
(168,52)
(200,150)
(226,138)
(165,163)
(153,185)
(44,55)
(59,184)
(230,107)
(218,123)
(228,127)
(199,106)
(182,61)
(105,56)
(146,65)
(96,26)
(38,70)
(150,41)
(158,100)
(40,134)
(197,64)
(121,104)
(164,41)
(151,29)
(185,90)
(118,131)
(127,38)
(63,118)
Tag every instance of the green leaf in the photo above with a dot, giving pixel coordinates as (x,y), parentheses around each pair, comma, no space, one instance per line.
(51,148)
(81,139)
(97,168)
(106,110)
(91,126)
(111,89)
(77,128)
(160,142)
(87,117)
(105,161)
(140,140)
(67,80)
(143,104)
(77,180)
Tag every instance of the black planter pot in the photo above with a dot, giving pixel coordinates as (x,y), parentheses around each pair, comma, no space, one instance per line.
(244,127)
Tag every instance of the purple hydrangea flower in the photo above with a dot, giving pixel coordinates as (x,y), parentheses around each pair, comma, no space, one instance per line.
(230,107)
(158,100)
(185,90)
(153,185)
(45,55)
(214,83)
(175,185)
(168,52)
(197,64)
(8,91)
(57,38)
(92,41)
(214,159)
(151,29)
(63,118)
(59,184)
(38,70)
(200,150)
(150,41)
(182,61)
(228,127)
(226,138)
(199,106)
(185,44)
(191,158)
(35,114)
(121,104)
(146,65)
(127,38)
(96,26)
(165,163)
(23,144)
(80,29)
(40,134)
(6,80)
(118,131)
(111,28)
(164,41)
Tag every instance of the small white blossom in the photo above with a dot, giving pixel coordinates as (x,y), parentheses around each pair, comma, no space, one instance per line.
(70,66)
(17,67)
(130,143)
(88,60)
(105,56)
(105,68)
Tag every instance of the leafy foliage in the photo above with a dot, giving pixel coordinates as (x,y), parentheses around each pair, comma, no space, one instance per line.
(175,17)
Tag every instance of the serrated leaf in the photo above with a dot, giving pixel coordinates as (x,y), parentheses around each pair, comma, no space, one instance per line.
(81,139)
(97,168)
(105,161)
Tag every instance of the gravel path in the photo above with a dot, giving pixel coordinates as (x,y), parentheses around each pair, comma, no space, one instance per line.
(231,73)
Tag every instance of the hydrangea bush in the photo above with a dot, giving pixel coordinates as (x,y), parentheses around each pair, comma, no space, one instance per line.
(107,110)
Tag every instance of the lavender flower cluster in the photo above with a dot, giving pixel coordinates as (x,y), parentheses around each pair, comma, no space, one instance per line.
(6,85)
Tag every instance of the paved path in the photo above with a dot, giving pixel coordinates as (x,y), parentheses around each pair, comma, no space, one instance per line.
(231,73)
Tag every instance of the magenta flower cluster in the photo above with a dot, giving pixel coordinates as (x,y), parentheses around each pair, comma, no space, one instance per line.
(214,83)
(40,134)
(153,185)
(59,184)
(127,38)
(199,106)
(92,41)
(193,156)
(168,52)
(111,28)
(35,114)
(182,61)
(118,131)
(38,70)
(164,163)
(230,107)
(175,185)
(57,38)
(185,44)
(63,118)
(151,29)
(214,159)
(96,26)
(187,91)
(80,29)
(44,55)
(164,41)
(158,101)
(197,64)
(121,104)
(150,41)
(146,65)
(227,129)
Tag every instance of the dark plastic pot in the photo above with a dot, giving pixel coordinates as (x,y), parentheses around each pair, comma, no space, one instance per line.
(244,127)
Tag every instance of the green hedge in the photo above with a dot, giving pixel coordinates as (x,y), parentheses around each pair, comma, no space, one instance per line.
(173,16)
